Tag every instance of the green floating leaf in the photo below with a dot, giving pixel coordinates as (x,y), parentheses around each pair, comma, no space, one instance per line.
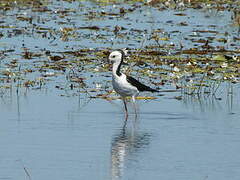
(219,58)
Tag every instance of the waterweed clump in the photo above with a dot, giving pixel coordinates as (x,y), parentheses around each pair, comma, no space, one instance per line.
(64,46)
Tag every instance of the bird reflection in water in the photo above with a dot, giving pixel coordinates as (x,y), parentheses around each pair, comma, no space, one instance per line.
(126,146)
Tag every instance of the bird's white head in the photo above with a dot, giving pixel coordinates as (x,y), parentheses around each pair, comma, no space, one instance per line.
(116,57)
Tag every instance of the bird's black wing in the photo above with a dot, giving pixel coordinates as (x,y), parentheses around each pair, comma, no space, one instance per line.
(138,85)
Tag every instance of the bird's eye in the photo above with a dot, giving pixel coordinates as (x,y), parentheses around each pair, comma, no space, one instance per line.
(113,56)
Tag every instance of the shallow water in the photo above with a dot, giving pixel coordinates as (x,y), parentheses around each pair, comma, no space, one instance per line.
(56,137)
(52,133)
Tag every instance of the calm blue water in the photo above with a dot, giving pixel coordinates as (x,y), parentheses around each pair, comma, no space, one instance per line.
(50,134)
(56,137)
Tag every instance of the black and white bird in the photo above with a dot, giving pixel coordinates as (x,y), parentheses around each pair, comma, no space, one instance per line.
(123,84)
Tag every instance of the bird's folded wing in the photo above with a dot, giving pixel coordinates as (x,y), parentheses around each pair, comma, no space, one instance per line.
(138,85)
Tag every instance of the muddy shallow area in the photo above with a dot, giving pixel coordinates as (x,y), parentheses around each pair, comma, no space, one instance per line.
(60,118)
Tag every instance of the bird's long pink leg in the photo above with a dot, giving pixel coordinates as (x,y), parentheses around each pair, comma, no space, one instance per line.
(125,107)
(134,104)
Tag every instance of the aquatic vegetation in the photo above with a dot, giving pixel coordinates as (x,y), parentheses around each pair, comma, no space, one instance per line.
(64,45)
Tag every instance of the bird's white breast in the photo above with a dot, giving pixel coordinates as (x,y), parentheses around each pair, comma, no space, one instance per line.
(122,86)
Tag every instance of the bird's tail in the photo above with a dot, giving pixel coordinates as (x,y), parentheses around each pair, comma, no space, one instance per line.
(154,90)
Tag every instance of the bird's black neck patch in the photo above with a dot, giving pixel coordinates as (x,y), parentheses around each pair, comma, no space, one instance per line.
(119,66)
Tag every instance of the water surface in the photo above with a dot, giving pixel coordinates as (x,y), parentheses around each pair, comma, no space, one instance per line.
(52,131)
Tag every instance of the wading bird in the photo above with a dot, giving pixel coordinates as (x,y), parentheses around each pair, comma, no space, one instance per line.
(123,84)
